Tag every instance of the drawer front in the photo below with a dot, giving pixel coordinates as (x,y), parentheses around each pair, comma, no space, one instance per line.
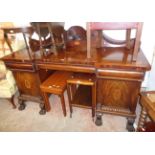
(82,69)
(20,66)
(120,74)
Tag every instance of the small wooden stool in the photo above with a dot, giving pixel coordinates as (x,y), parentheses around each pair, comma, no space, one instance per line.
(147,101)
(55,84)
(81,89)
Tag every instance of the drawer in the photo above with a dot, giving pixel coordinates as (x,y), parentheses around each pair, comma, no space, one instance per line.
(120,74)
(20,66)
(64,67)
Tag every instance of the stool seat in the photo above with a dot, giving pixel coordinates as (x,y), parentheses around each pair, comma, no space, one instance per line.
(55,84)
(81,89)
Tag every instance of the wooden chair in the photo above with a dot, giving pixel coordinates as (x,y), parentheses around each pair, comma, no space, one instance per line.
(128,26)
(147,101)
(2,40)
(25,31)
(8,86)
(55,84)
(51,36)
(81,89)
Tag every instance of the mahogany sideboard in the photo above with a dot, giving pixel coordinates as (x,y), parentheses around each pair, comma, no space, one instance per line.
(118,77)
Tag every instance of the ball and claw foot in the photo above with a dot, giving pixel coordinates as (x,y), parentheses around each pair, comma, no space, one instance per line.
(22,106)
(129,125)
(42,112)
(42,109)
(98,120)
(70,115)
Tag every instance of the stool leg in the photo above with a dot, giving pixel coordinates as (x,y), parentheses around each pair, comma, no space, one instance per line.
(69,99)
(142,118)
(46,101)
(93,99)
(63,104)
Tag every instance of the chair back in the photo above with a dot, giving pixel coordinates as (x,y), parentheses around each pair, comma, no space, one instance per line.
(51,34)
(16,30)
(128,26)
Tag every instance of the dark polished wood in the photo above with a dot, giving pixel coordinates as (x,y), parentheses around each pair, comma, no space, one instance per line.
(128,26)
(55,84)
(147,127)
(118,77)
(51,36)
(81,89)
(15,30)
(27,78)
(24,70)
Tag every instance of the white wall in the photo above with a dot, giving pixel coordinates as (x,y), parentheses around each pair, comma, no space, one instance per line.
(148,46)
(151,76)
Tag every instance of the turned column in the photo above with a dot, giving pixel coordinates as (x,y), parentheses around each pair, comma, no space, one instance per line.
(142,118)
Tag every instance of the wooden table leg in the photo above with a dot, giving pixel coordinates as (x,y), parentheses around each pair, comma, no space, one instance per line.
(63,104)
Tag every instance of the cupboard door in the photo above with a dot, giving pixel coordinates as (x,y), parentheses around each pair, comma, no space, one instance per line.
(118,93)
(28,83)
